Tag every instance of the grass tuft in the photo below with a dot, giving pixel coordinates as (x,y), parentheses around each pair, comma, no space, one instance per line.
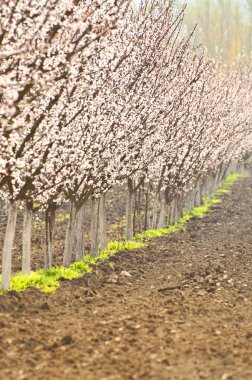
(149,234)
(227,184)
(47,280)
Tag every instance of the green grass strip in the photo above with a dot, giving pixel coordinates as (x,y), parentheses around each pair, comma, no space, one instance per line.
(197,212)
(48,280)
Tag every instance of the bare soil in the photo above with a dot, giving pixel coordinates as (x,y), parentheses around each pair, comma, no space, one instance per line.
(184,314)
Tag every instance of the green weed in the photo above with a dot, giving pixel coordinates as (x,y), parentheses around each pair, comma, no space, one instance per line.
(149,234)
(227,184)
(47,280)
(112,266)
(122,245)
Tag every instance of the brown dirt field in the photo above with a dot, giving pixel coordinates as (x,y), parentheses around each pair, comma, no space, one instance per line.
(185,314)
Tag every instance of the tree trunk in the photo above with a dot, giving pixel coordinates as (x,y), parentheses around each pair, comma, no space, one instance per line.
(103,223)
(198,195)
(94,228)
(68,249)
(217,179)
(146,206)
(213,185)
(129,211)
(243,171)
(8,244)
(232,168)
(163,211)
(79,233)
(26,248)
(204,187)
(192,201)
(139,217)
(209,186)
(168,215)
(134,213)
(178,208)
(155,212)
(188,202)
(223,175)
(49,226)
(172,213)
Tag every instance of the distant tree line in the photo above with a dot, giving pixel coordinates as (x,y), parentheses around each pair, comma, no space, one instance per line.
(224,26)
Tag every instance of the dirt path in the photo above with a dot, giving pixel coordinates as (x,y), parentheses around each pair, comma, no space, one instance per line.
(185,314)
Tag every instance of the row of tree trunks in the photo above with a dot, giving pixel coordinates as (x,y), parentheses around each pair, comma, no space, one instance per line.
(74,241)
(169,213)
(99,239)
(133,209)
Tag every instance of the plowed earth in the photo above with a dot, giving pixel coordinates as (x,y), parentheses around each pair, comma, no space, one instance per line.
(186,312)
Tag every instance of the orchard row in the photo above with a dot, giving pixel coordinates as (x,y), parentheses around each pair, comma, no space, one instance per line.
(95,93)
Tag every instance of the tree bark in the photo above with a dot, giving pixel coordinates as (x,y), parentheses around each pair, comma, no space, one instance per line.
(232,168)
(49,242)
(209,185)
(188,202)
(129,211)
(243,170)
(198,195)
(217,179)
(192,201)
(134,213)
(103,223)
(213,185)
(204,187)
(26,248)
(163,211)
(94,228)
(139,216)
(172,213)
(178,208)
(68,249)
(155,212)
(79,233)
(168,215)
(8,244)
(146,206)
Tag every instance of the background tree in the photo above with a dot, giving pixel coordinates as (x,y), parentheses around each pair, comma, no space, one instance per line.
(224,26)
